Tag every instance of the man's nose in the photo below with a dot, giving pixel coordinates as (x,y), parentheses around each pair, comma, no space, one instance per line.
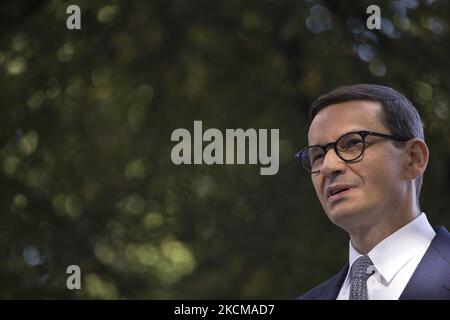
(332,164)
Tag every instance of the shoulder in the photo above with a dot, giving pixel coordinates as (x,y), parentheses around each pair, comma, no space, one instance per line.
(431,279)
(441,243)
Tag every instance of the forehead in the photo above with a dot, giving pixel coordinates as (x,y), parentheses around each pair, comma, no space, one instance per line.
(337,119)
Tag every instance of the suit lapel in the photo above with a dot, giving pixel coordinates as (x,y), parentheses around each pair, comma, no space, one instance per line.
(331,291)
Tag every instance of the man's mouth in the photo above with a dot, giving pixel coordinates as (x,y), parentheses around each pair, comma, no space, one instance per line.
(336,192)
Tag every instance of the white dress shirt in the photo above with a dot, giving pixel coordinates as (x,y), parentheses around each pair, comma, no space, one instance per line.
(395,259)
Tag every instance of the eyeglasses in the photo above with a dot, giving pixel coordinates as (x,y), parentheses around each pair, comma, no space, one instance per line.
(349,147)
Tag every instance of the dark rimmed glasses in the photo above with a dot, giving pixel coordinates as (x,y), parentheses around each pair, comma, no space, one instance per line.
(349,147)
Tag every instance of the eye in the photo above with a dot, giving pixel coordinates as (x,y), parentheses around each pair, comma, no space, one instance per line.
(351,143)
(317,157)
(315,154)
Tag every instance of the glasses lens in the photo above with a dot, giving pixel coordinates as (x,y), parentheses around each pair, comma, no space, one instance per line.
(311,158)
(350,146)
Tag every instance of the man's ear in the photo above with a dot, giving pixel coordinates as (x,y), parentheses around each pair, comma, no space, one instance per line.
(417,158)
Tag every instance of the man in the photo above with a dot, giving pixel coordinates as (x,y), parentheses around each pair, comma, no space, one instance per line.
(366,158)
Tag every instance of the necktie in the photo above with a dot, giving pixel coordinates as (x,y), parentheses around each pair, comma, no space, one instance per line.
(361,270)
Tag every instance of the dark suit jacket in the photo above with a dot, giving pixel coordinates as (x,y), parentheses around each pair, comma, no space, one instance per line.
(430,280)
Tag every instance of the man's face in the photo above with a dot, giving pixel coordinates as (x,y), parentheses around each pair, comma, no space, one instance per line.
(376,180)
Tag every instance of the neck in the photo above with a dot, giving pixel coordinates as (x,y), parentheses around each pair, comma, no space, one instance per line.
(364,238)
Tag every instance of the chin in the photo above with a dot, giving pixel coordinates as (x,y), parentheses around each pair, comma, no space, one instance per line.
(342,216)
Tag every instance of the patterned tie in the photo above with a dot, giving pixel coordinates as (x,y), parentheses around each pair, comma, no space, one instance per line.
(360,272)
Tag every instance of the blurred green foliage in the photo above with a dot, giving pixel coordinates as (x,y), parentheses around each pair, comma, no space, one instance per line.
(85,124)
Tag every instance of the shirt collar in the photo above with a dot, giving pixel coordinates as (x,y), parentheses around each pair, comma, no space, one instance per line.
(391,254)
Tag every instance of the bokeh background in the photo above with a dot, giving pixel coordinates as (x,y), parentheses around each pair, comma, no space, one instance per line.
(85,123)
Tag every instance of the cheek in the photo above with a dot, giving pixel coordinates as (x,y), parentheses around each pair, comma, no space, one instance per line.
(383,175)
(390,164)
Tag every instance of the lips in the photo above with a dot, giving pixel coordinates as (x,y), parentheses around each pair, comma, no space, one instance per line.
(332,191)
